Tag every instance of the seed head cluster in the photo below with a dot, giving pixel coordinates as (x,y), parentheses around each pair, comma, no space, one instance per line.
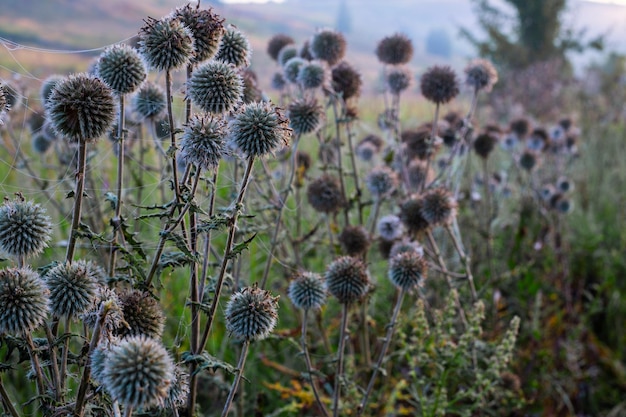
(251,314)
(439,84)
(72,288)
(354,240)
(24,228)
(324,194)
(313,74)
(166,44)
(121,68)
(306,291)
(381,181)
(395,49)
(216,87)
(142,313)
(481,75)
(234,48)
(276,43)
(206,29)
(407,270)
(438,206)
(328,45)
(23,301)
(305,116)
(259,128)
(203,141)
(346,80)
(347,279)
(149,102)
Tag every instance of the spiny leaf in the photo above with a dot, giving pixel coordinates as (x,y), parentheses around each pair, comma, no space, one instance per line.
(240,247)
(206,361)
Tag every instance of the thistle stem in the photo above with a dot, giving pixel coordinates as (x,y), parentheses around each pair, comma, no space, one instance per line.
(78,199)
(433,136)
(54,365)
(120,179)
(466,260)
(235,385)
(339,161)
(340,352)
(66,349)
(8,405)
(170,120)
(390,329)
(36,365)
(309,367)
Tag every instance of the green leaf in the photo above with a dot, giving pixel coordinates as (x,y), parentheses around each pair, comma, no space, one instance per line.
(240,247)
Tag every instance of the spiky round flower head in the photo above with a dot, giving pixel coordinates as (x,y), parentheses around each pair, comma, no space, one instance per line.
(418,143)
(389,227)
(438,206)
(411,215)
(203,141)
(365,151)
(292,68)
(481,75)
(354,240)
(121,68)
(306,291)
(521,127)
(399,79)
(561,204)
(47,86)
(23,301)
(251,90)
(12,96)
(313,74)
(564,185)
(72,288)
(406,245)
(278,81)
(206,29)
(259,128)
(528,160)
(439,84)
(24,228)
(484,144)
(328,45)
(166,44)
(179,389)
(81,107)
(276,43)
(347,279)
(40,143)
(286,53)
(381,181)
(142,313)
(114,319)
(149,101)
(346,80)
(419,172)
(138,372)
(395,49)
(251,313)
(407,270)
(98,359)
(234,48)
(324,194)
(305,116)
(216,87)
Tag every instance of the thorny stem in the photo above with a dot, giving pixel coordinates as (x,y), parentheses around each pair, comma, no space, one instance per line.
(78,198)
(54,363)
(170,120)
(120,178)
(227,252)
(489,212)
(282,201)
(84,381)
(207,241)
(8,405)
(339,162)
(340,353)
(466,260)
(233,388)
(36,365)
(66,349)
(309,367)
(375,213)
(355,173)
(379,363)
(432,139)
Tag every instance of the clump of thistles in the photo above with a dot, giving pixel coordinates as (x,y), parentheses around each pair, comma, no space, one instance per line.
(251,314)
(306,291)
(305,115)
(206,28)
(346,80)
(23,301)
(324,194)
(216,87)
(481,75)
(439,84)
(72,288)
(313,75)
(347,279)
(354,240)
(149,101)
(234,48)
(166,44)
(121,68)
(142,314)
(259,128)
(24,228)
(381,181)
(438,206)
(399,79)
(395,49)
(276,43)
(203,141)
(328,45)
(407,270)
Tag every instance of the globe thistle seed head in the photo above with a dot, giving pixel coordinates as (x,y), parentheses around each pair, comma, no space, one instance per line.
(292,68)
(216,87)
(138,372)
(98,359)
(538,140)
(481,75)
(305,51)
(398,79)
(12,96)
(324,194)
(114,320)
(419,144)
(81,107)
(419,172)
(365,151)
(278,81)
(411,215)
(406,245)
(354,240)
(407,270)
(179,388)
(259,128)
(40,143)
(251,91)
(381,181)
(142,313)
(72,288)
(121,68)
(23,301)
(438,206)
(313,74)
(561,204)
(149,101)
(389,227)
(521,127)
(346,80)
(510,142)
(24,228)
(251,314)
(276,44)
(528,160)
(203,141)
(286,53)
(564,185)
(206,29)
(305,116)
(395,49)
(439,84)
(166,44)
(347,279)
(328,45)
(235,48)
(47,86)
(484,144)
(306,291)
